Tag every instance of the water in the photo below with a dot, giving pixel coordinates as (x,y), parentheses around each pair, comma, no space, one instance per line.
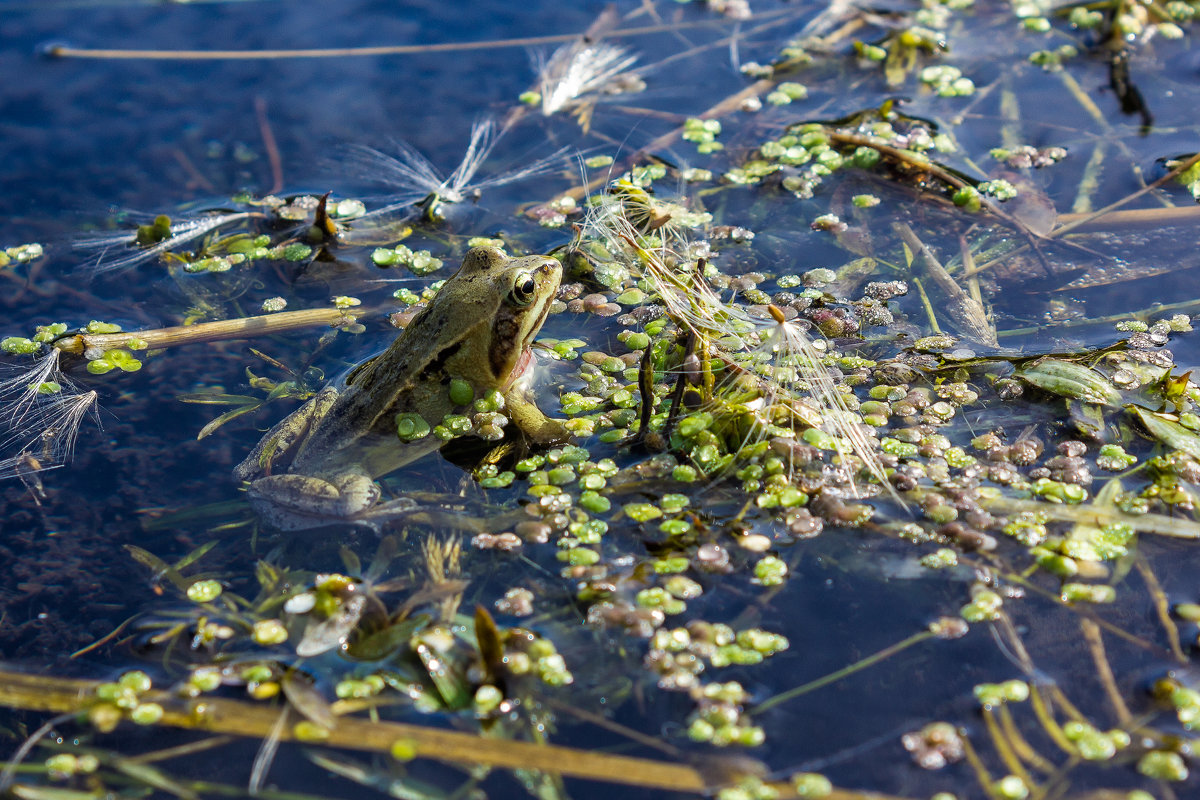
(88,146)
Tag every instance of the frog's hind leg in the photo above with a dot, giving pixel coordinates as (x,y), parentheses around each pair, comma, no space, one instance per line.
(302,501)
(279,445)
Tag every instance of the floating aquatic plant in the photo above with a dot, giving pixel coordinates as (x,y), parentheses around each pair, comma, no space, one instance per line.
(760,396)
(634,228)
(21,254)
(120,251)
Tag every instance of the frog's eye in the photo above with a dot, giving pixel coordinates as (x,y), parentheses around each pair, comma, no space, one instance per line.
(524,288)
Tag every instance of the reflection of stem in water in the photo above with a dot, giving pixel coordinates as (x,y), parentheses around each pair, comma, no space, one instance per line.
(966,312)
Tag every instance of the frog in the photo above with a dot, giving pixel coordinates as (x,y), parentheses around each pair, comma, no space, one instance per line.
(320,464)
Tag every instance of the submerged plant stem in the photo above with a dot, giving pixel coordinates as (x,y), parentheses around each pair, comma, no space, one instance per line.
(1004,748)
(1095,643)
(978,767)
(7,775)
(928,306)
(967,312)
(1049,724)
(844,672)
(1162,607)
(1020,745)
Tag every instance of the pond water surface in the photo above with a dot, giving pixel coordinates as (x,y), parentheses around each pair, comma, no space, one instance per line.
(645,563)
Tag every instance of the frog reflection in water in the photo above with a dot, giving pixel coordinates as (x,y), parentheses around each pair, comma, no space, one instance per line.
(320,463)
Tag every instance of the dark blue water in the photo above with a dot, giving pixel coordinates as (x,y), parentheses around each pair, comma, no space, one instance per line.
(85,142)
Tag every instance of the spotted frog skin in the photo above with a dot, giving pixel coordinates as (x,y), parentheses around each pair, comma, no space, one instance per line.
(319,464)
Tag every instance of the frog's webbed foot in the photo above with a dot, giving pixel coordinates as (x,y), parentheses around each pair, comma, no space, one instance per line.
(294,502)
(549,433)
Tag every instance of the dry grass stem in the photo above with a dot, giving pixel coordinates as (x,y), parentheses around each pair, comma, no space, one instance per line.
(221,330)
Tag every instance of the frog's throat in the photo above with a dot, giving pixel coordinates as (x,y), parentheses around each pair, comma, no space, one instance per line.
(523,366)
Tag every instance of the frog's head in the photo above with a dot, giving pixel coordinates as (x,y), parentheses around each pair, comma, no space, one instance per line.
(521,290)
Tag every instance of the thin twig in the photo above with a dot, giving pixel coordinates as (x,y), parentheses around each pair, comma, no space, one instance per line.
(60,51)
(108,637)
(846,671)
(1133,218)
(221,330)
(902,156)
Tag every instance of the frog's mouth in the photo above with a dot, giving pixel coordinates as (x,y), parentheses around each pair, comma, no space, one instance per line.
(524,365)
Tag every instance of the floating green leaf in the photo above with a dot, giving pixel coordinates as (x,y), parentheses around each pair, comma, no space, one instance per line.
(1071,380)
(1168,431)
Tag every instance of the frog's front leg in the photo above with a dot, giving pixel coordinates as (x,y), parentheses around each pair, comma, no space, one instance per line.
(280,444)
(537,427)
